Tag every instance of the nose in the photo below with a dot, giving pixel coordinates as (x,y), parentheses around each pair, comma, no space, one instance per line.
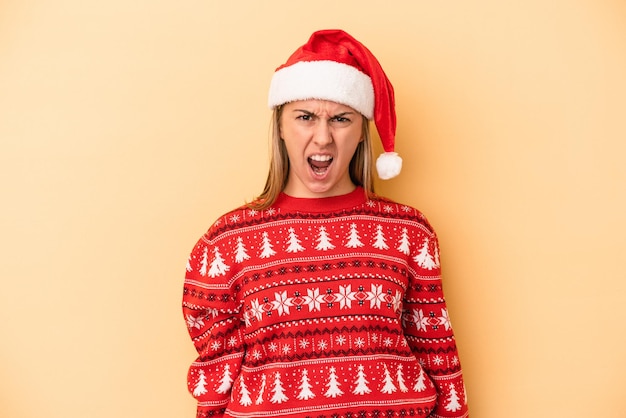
(323,134)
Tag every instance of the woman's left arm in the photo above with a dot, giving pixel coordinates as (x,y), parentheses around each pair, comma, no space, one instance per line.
(429,331)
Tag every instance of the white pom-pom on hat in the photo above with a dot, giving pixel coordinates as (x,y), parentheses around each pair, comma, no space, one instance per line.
(388,165)
(334,66)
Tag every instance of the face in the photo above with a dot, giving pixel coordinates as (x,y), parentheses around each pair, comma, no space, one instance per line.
(321,138)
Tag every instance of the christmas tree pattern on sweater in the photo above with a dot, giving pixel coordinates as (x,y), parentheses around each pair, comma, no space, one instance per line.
(336,313)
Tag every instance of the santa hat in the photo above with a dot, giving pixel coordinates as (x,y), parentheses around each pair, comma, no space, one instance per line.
(334,66)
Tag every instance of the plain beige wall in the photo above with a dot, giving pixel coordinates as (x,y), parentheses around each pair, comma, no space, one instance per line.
(127,127)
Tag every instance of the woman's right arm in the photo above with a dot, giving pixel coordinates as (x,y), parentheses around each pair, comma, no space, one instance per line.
(213,320)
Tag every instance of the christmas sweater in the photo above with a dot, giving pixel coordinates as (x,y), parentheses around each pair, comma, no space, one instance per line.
(328,307)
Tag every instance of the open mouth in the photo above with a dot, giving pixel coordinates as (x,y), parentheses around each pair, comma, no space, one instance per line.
(320,163)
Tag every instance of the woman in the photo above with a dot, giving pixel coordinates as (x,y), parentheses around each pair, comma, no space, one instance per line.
(320,298)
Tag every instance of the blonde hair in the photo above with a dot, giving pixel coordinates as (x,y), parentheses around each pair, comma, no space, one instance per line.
(361,167)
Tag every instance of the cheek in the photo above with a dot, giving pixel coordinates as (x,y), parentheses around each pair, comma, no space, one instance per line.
(354,141)
(294,137)
(292,149)
(288,132)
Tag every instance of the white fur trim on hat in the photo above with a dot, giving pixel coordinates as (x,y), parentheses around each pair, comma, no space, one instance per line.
(323,80)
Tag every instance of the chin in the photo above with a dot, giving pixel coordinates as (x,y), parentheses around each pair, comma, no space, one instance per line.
(325,191)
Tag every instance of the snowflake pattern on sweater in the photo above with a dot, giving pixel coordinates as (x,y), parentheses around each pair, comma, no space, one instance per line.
(326,307)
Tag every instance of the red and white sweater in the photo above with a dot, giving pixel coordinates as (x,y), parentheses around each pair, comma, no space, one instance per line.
(327,307)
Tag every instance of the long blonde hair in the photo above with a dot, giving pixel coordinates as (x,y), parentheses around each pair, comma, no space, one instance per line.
(361,168)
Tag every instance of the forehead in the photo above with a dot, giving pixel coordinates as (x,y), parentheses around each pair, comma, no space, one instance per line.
(319,106)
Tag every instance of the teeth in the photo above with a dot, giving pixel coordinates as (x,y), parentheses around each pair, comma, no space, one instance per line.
(321,158)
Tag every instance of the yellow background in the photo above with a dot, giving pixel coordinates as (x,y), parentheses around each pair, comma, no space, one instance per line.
(127,127)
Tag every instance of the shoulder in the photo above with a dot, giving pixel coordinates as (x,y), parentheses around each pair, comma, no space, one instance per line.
(232,220)
(223,226)
(392,209)
(243,218)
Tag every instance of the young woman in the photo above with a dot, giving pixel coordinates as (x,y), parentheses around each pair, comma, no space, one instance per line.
(320,298)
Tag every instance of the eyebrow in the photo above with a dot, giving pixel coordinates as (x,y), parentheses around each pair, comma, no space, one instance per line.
(334,116)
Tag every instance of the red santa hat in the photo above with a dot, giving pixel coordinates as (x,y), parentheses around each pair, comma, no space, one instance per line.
(334,66)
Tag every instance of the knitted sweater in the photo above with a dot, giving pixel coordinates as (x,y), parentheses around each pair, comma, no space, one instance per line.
(328,307)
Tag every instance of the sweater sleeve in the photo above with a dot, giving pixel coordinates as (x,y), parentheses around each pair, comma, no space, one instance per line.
(212,314)
(429,331)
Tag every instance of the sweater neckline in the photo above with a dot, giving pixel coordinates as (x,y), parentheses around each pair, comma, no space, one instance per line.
(321,204)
